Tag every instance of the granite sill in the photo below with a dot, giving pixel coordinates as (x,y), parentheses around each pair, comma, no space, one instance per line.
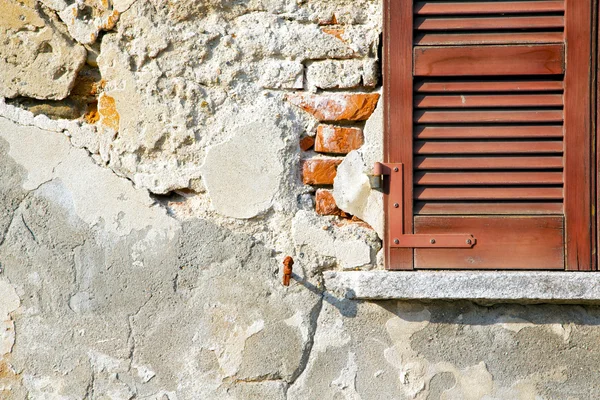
(478,286)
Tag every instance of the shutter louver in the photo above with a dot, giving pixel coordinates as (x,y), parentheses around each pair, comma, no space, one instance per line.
(489,86)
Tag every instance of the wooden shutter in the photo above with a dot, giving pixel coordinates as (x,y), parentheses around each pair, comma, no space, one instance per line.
(488,113)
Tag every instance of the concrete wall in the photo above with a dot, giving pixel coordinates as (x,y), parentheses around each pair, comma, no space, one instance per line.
(159,160)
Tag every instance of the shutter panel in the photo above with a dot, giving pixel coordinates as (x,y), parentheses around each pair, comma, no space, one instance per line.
(489,112)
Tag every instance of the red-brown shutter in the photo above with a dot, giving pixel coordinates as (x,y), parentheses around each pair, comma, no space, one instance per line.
(488,110)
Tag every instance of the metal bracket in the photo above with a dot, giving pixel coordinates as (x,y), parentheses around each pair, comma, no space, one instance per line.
(396,237)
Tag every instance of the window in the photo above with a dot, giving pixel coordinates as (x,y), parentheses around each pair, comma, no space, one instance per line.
(489,145)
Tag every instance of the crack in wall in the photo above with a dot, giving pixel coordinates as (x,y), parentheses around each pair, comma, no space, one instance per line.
(304,360)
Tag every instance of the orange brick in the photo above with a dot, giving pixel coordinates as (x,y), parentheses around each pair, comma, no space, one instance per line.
(325,204)
(108,112)
(329,21)
(337,139)
(337,32)
(336,106)
(320,171)
(307,142)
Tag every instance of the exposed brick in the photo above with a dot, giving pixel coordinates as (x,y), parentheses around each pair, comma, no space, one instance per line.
(108,112)
(307,142)
(336,106)
(320,171)
(337,32)
(329,21)
(92,116)
(325,204)
(337,139)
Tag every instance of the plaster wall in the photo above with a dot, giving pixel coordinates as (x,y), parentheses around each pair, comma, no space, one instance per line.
(151,183)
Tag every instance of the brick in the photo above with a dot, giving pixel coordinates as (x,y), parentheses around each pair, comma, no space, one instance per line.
(336,106)
(307,142)
(337,32)
(337,139)
(329,21)
(320,171)
(325,204)
(107,110)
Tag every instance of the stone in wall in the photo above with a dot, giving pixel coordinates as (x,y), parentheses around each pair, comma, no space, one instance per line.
(38,58)
(86,19)
(323,243)
(283,75)
(342,74)
(352,189)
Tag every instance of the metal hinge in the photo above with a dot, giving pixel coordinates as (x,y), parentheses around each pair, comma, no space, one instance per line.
(394,173)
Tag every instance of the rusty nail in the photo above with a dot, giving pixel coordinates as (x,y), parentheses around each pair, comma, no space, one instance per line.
(469,241)
(396,205)
(287,270)
(396,169)
(432,241)
(396,241)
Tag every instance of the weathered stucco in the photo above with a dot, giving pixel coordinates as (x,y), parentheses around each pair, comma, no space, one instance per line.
(151,185)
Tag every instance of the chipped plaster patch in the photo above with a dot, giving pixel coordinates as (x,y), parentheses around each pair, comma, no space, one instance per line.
(346,382)
(231,355)
(242,174)
(97,195)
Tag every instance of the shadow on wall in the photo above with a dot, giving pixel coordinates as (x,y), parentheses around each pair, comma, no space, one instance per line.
(468,313)
(347,308)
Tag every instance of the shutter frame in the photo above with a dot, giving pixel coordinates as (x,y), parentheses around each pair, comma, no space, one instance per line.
(578,141)
(400,40)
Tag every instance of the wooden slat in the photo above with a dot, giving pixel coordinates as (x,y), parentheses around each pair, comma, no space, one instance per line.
(495,23)
(480,7)
(488,208)
(542,59)
(488,147)
(530,242)
(436,86)
(488,132)
(578,137)
(489,101)
(496,194)
(489,162)
(441,39)
(488,178)
(505,116)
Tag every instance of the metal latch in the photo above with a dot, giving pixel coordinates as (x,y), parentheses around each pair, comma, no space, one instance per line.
(394,172)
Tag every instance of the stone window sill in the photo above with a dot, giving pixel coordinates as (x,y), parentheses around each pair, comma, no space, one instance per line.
(479,286)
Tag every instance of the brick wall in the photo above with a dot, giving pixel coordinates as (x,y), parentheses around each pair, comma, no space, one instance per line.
(339,94)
